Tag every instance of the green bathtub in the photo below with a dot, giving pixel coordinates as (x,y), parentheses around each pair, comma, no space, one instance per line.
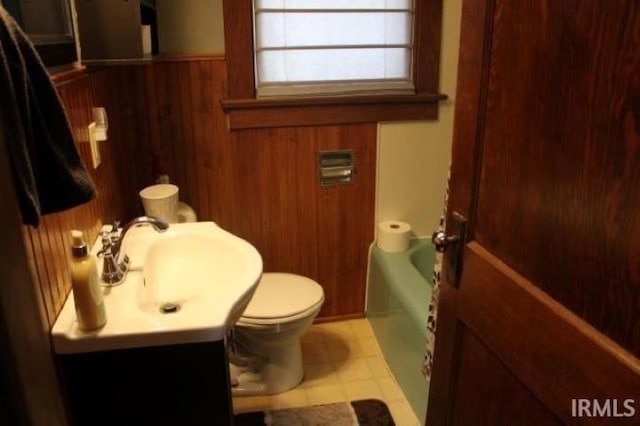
(398,297)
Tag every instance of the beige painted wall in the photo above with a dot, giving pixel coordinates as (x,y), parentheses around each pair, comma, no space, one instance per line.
(413,157)
(190,27)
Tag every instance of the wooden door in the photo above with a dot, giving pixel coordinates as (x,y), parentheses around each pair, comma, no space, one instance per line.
(543,326)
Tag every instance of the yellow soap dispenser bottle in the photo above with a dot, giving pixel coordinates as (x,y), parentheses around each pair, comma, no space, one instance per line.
(87,291)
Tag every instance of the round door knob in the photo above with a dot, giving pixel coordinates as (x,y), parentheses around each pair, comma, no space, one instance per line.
(441,241)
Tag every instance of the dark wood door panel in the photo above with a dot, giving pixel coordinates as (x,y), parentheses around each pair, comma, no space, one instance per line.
(558,192)
(553,352)
(520,406)
(545,167)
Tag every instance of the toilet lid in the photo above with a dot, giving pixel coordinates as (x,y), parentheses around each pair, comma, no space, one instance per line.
(281,295)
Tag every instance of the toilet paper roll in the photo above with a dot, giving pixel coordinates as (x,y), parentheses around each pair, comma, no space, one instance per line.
(393,236)
(186,213)
(161,201)
(145,34)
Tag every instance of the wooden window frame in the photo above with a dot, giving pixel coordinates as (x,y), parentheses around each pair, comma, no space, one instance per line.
(244,110)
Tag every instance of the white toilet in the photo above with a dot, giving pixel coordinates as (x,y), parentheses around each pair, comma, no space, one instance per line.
(265,355)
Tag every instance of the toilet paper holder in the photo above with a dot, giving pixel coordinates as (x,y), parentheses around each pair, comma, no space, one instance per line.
(336,167)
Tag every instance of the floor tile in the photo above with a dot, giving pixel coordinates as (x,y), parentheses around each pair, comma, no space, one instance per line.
(293,398)
(390,389)
(244,404)
(320,374)
(361,328)
(354,369)
(342,349)
(362,389)
(402,413)
(368,346)
(342,362)
(325,394)
(378,367)
(315,352)
(336,329)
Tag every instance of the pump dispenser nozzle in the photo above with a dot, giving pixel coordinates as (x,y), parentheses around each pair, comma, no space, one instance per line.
(78,246)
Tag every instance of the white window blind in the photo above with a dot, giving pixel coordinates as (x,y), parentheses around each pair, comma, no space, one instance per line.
(333,47)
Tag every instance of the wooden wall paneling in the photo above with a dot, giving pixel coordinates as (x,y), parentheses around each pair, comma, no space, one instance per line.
(158,91)
(48,256)
(299,226)
(142,140)
(187,140)
(204,141)
(124,163)
(221,169)
(274,177)
(39,272)
(58,251)
(191,137)
(135,134)
(213,142)
(47,246)
(262,184)
(114,161)
(247,222)
(177,127)
(44,305)
(345,223)
(152,131)
(205,138)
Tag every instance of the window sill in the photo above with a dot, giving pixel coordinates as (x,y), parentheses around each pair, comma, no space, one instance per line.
(264,113)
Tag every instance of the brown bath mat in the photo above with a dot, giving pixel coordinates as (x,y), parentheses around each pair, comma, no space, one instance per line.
(366,412)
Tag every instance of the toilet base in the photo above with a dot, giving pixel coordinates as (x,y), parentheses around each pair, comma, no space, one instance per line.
(280,370)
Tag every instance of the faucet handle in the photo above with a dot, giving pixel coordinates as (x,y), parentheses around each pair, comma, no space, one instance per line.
(115,226)
(105,236)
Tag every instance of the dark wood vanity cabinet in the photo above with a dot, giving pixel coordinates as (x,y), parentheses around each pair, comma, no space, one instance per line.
(184,384)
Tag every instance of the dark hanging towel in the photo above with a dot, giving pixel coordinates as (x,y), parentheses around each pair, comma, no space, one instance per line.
(47,171)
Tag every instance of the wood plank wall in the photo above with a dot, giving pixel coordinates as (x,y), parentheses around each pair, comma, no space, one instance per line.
(48,245)
(262,185)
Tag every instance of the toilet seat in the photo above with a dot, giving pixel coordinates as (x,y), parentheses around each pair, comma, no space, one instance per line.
(281,298)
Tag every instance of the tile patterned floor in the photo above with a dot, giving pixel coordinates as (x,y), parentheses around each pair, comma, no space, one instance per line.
(342,362)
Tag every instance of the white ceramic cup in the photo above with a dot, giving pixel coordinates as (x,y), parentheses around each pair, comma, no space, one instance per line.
(161,201)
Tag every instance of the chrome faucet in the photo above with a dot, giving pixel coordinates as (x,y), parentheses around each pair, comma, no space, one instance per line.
(114,271)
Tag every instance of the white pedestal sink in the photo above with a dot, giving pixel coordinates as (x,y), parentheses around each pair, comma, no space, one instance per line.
(186,285)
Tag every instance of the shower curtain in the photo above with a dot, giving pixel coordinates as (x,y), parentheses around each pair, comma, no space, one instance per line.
(427,363)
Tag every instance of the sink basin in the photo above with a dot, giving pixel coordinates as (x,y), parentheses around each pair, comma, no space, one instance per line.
(186,285)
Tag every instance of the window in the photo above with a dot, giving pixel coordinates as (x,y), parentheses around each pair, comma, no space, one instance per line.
(309,47)
(406,90)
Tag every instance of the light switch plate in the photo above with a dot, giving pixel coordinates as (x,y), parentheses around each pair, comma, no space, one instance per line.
(95,146)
